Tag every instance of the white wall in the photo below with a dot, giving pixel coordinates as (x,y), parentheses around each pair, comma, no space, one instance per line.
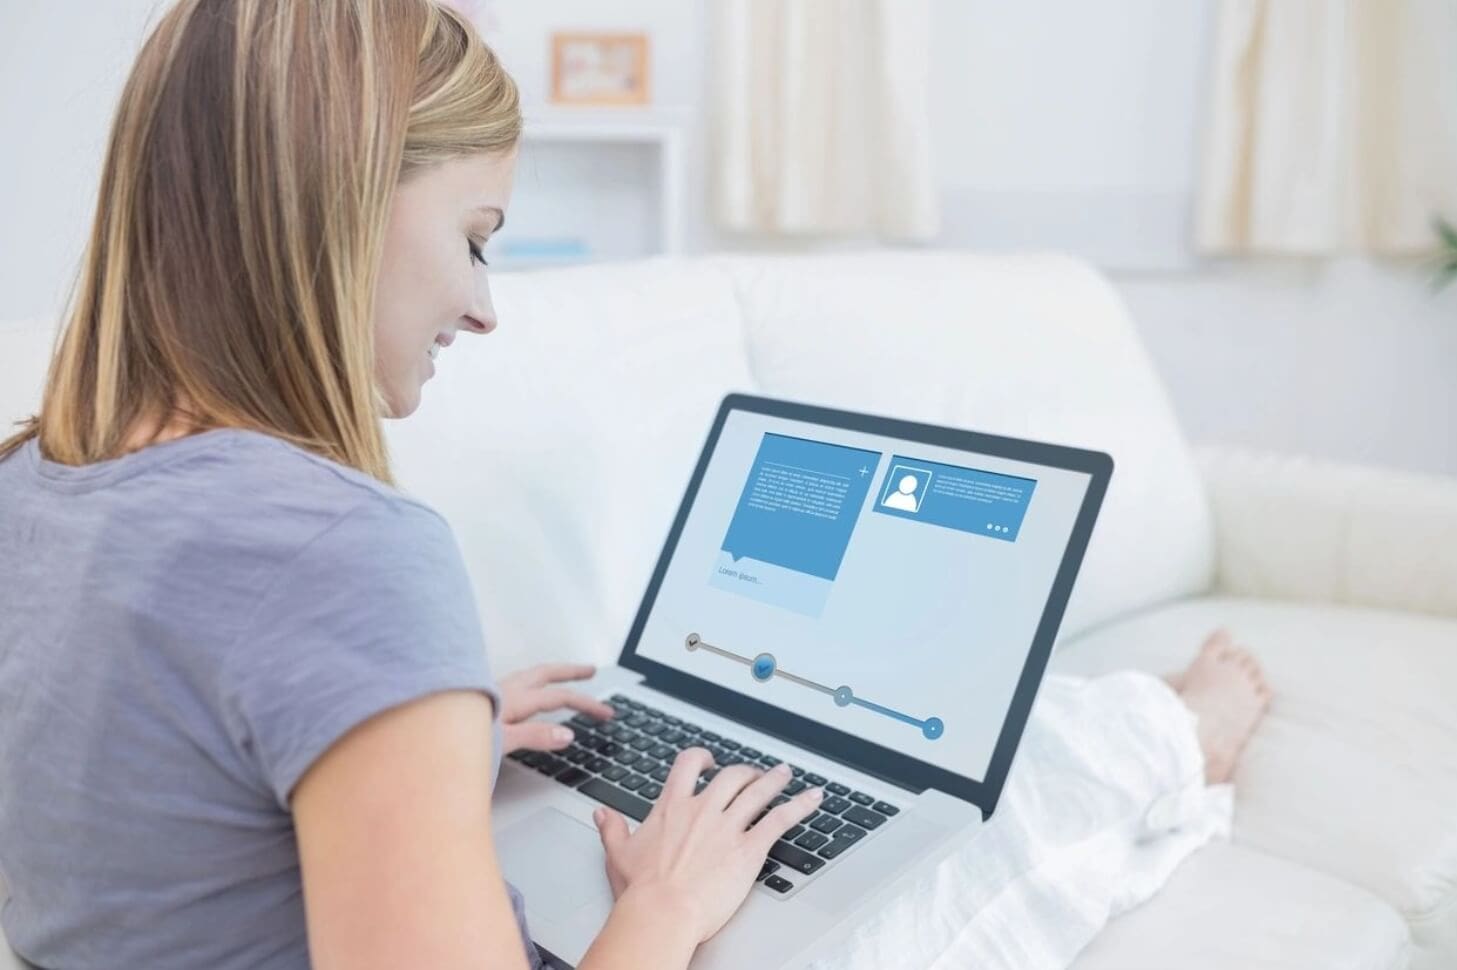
(1057,124)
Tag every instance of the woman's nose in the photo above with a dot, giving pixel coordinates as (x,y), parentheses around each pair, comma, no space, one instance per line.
(482,315)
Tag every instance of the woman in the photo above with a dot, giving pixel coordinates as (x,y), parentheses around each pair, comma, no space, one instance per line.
(245,702)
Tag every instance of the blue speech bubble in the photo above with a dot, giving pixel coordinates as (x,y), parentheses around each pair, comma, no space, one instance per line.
(967,499)
(800,504)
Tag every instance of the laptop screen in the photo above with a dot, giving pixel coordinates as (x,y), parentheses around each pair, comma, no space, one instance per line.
(884,587)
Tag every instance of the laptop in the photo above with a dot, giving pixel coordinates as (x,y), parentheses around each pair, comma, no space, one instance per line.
(872,601)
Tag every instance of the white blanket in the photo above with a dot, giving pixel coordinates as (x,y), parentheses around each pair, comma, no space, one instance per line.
(1105,799)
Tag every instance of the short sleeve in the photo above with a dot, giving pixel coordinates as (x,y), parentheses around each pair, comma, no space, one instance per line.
(372,613)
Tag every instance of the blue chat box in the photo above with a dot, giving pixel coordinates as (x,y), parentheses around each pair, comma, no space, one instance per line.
(967,499)
(800,504)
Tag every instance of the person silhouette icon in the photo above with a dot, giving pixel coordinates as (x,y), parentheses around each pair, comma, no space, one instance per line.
(904,498)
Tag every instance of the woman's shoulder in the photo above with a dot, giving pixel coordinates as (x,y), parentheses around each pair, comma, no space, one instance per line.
(244,500)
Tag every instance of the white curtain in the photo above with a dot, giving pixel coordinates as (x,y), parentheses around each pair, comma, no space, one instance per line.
(1333,126)
(822,117)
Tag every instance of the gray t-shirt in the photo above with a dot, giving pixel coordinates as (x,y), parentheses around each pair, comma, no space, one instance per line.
(185,629)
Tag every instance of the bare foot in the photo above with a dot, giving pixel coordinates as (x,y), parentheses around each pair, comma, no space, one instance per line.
(1225,687)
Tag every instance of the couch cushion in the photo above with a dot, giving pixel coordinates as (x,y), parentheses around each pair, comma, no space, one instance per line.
(1031,346)
(1354,771)
(559,445)
(1228,906)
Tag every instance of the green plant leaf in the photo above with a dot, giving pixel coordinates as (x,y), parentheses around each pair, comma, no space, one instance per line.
(1448,235)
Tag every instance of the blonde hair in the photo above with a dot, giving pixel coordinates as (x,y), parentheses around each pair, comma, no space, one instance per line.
(236,244)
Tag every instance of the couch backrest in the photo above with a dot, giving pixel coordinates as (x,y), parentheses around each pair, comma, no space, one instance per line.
(558,447)
(1029,345)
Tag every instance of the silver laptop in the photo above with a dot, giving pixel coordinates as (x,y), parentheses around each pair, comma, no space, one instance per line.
(872,601)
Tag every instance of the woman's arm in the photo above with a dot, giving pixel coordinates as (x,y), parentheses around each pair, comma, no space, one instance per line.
(399,869)
(394,832)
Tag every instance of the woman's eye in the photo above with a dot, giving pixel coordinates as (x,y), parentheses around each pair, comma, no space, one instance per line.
(475,253)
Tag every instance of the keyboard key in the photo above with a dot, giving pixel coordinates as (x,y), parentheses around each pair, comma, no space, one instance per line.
(625,756)
(615,773)
(731,759)
(826,823)
(795,787)
(578,756)
(766,870)
(709,737)
(834,805)
(863,817)
(672,720)
(811,840)
(614,797)
(886,808)
(584,720)
(796,771)
(660,773)
(690,728)
(573,776)
(549,765)
(662,751)
(518,755)
(750,753)
(655,729)
(642,742)
(793,833)
(609,748)
(635,705)
(814,779)
(729,743)
(637,720)
(849,833)
(835,847)
(835,788)
(620,732)
(675,738)
(792,856)
(597,764)
(618,699)
(652,712)
(860,798)
(768,761)
(779,884)
(778,800)
(650,791)
(633,782)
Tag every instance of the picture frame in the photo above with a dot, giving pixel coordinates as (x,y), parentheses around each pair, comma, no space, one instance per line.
(594,68)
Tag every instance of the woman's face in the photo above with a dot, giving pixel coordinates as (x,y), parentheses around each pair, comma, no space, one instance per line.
(432,281)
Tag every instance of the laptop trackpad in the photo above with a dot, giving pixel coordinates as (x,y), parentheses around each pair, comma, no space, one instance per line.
(556,862)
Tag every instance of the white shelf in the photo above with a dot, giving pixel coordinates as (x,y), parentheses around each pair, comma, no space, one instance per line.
(611,179)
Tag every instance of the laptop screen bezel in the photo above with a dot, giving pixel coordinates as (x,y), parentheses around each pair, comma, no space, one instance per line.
(873,759)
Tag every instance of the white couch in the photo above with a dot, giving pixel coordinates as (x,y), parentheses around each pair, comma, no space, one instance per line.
(558,448)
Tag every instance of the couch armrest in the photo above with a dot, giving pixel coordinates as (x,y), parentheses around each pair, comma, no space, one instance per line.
(1301,529)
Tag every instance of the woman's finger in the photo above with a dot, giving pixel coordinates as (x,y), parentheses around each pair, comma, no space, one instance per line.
(727,784)
(536,735)
(683,776)
(540,699)
(758,794)
(784,817)
(543,674)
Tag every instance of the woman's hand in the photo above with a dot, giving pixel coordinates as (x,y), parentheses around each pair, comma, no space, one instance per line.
(530,692)
(696,855)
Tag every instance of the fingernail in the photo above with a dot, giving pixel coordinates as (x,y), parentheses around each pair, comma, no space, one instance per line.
(815,794)
(781,769)
(562,735)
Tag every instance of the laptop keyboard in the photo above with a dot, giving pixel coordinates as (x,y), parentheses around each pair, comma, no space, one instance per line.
(623,763)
